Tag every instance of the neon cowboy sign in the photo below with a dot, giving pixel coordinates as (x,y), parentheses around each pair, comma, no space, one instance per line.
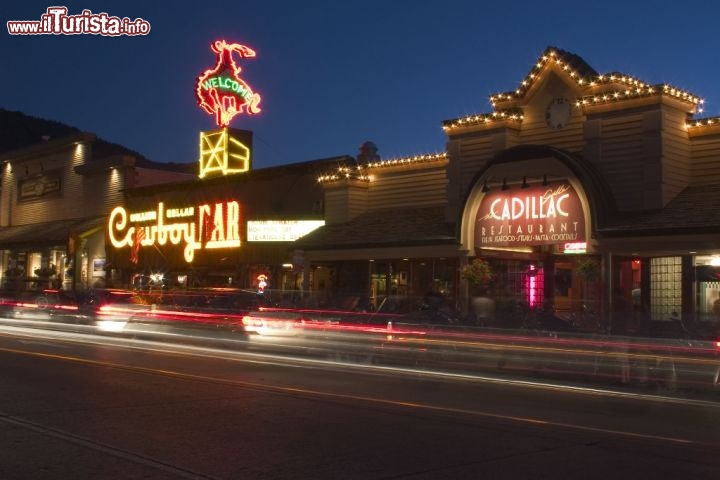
(220,91)
(206,226)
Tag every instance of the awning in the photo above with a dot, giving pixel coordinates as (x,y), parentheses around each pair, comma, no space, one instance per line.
(681,216)
(381,228)
(48,234)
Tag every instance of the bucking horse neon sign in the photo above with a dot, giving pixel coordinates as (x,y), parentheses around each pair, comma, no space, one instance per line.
(220,90)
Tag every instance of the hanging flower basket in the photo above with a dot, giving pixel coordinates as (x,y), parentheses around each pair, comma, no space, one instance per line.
(588,268)
(477,272)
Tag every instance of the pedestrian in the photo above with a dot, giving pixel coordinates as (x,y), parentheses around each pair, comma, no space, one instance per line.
(484,309)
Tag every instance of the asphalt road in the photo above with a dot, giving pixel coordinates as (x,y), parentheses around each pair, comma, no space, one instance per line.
(103,407)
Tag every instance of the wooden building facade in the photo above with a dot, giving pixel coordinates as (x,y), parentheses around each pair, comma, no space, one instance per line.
(55,196)
(640,167)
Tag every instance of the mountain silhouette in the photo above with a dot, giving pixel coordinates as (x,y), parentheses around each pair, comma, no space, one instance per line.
(18,130)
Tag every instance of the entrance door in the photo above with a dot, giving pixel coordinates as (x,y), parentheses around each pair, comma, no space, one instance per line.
(563,295)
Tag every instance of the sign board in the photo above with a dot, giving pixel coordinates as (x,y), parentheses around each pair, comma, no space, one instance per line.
(538,215)
(198,227)
(280,230)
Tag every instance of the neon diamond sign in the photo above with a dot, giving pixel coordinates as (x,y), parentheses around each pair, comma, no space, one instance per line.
(221,153)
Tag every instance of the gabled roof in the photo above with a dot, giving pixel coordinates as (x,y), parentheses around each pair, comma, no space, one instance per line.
(597,88)
(350,169)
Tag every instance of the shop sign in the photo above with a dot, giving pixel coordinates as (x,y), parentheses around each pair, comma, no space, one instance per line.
(220,90)
(201,227)
(574,247)
(538,215)
(39,186)
(280,230)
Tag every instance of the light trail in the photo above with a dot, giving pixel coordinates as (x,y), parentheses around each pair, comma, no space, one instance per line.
(314,363)
(180,349)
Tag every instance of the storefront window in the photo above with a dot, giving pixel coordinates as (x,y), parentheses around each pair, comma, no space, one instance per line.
(707,276)
(401,285)
(535,286)
(518,286)
(665,288)
(34,262)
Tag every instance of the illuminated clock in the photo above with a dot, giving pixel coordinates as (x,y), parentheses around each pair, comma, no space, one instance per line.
(558,113)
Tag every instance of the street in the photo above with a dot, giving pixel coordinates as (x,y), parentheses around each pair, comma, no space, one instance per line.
(84,406)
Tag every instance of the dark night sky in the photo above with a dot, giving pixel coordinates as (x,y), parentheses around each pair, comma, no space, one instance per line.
(334,74)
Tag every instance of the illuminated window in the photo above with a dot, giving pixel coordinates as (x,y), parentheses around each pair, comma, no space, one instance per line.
(665,287)
(535,286)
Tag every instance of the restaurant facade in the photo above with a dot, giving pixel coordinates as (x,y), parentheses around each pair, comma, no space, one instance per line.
(593,195)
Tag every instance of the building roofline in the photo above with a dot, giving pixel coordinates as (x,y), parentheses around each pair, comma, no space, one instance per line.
(48,146)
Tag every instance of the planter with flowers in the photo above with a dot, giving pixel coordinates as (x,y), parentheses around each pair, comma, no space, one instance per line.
(44,275)
(477,273)
(14,278)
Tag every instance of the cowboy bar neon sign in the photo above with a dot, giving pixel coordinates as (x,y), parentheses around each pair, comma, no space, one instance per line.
(203,227)
(220,91)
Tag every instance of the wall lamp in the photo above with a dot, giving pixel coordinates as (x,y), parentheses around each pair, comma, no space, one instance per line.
(486,188)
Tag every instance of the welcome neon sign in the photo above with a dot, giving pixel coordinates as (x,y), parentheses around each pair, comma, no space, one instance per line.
(220,91)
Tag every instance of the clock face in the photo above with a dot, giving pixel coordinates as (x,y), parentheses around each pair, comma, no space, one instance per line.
(558,113)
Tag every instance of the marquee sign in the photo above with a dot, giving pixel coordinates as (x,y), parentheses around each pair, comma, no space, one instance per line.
(538,215)
(280,230)
(201,227)
(220,91)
